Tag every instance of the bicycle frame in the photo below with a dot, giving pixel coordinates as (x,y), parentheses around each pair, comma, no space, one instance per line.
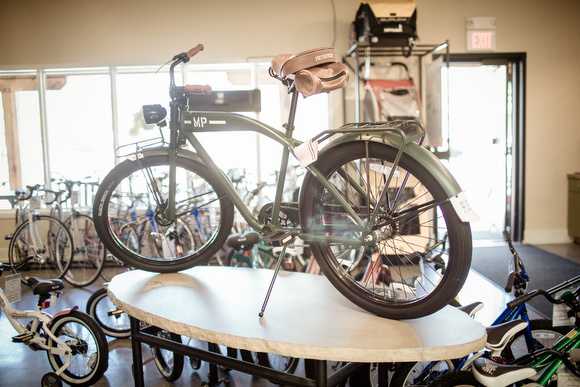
(39,321)
(184,123)
(191,122)
(551,364)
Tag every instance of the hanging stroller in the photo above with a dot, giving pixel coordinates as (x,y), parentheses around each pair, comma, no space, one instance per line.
(392,99)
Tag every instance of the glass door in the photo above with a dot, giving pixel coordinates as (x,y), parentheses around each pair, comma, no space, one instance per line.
(484,112)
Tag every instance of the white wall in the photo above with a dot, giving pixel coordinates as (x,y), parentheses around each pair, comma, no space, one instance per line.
(57,33)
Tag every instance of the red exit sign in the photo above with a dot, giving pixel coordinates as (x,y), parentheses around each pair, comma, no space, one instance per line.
(480,34)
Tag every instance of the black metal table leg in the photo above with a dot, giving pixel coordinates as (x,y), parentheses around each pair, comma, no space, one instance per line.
(137,354)
(320,373)
(383,375)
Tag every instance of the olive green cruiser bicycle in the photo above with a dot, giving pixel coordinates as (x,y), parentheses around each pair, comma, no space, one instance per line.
(371,191)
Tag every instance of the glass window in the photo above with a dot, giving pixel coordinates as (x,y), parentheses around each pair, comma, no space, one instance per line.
(29,138)
(4,172)
(135,89)
(83,127)
(79,126)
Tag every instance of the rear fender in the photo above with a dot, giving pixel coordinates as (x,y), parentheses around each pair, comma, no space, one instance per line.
(419,154)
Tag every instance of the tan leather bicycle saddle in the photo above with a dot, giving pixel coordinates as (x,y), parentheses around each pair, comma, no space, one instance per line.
(287,64)
(315,70)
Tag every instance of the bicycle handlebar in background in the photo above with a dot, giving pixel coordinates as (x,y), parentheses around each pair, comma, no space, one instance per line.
(194,51)
(197,89)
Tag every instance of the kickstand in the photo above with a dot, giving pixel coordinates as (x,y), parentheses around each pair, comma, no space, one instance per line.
(278,264)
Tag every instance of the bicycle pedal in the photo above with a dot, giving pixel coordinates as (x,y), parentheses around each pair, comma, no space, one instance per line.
(278,238)
(23,337)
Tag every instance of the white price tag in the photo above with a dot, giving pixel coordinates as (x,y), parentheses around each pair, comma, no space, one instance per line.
(13,287)
(307,153)
(462,208)
(560,313)
(567,378)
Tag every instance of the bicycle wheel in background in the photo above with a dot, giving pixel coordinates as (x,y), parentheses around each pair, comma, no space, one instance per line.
(112,265)
(421,373)
(90,351)
(41,247)
(456,378)
(421,253)
(169,363)
(544,335)
(89,252)
(150,246)
(112,320)
(278,362)
(197,194)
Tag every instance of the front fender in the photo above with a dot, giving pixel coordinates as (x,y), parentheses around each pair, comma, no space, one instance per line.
(162,151)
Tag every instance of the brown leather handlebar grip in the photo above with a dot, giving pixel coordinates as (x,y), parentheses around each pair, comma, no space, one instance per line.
(194,51)
(197,89)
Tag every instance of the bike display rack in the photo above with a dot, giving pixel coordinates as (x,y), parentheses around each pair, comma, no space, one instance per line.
(306,318)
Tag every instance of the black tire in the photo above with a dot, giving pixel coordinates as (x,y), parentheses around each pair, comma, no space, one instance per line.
(90,351)
(281,363)
(419,373)
(197,192)
(89,252)
(51,380)
(169,363)
(113,321)
(544,335)
(428,243)
(53,251)
(456,378)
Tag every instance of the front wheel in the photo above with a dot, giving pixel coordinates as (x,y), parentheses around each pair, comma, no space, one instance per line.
(41,247)
(89,253)
(113,321)
(136,192)
(408,253)
(169,363)
(90,352)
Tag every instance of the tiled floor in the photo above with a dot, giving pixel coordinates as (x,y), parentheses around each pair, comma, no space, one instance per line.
(19,366)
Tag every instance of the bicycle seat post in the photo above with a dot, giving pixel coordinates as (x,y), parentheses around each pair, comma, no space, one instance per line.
(285,155)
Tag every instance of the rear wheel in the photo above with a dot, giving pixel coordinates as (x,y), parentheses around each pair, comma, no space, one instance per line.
(90,352)
(169,363)
(416,251)
(544,335)
(41,247)
(89,253)
(139,189)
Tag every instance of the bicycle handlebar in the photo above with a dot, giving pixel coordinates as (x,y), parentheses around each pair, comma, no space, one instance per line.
(194,51)
(528,296)
(197,89)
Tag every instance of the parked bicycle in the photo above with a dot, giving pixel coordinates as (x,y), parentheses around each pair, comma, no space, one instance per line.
(116,323)
(536,334)
(41,246)
(542,367)
(76,347)
(89,252)
(373,186)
